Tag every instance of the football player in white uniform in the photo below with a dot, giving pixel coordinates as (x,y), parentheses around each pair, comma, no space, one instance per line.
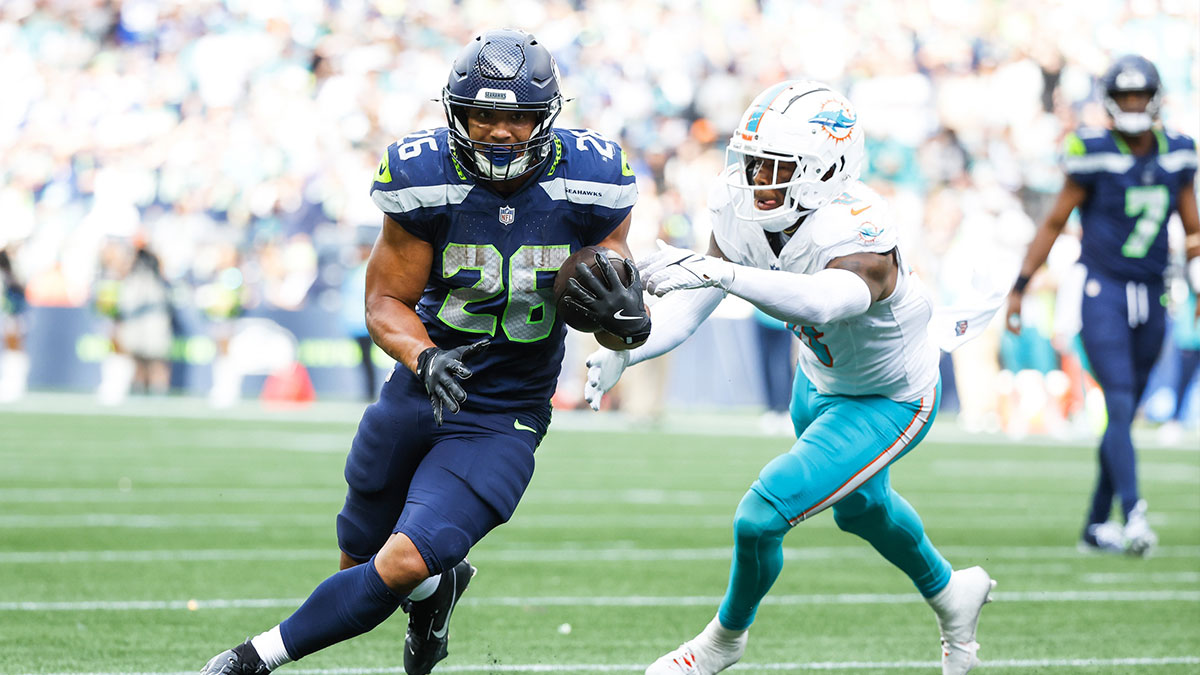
(796,234)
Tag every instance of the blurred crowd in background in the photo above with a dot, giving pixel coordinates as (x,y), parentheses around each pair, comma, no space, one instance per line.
(226,147)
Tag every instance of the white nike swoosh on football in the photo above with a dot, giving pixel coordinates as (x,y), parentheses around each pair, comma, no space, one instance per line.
(624,317)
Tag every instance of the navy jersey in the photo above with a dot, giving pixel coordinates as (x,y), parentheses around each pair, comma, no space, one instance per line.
(495,257)
(1129,199)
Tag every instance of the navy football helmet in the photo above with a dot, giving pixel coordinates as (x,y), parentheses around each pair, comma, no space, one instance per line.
(1132,73)
(502,70)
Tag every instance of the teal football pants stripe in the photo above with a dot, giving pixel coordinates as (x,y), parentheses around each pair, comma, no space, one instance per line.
(840,460)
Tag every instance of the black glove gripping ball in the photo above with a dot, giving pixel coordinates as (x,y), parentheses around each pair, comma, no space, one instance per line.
(586,255)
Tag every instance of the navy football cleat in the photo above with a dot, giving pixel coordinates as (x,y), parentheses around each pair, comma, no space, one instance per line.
(241,660)
(429,621)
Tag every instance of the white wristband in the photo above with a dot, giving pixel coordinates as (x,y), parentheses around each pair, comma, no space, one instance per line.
(1193,274)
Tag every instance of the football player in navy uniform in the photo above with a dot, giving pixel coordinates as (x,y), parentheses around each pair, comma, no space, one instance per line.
(1126,182)
(479,216)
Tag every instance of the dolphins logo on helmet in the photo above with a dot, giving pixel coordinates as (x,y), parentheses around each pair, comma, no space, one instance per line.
(502,70)
(836,120)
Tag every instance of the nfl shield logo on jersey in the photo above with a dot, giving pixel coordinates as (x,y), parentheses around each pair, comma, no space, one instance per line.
(507,215)
(960,328)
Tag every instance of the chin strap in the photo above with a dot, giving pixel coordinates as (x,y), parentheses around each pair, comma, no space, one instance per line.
(1132,123)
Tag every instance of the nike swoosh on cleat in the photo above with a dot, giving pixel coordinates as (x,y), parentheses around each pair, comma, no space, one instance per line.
(521,427)
(855,212)
(625,317)
(439,634)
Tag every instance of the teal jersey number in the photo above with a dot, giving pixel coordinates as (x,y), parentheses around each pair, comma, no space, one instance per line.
(811,337)
(1147,203)
(525,299)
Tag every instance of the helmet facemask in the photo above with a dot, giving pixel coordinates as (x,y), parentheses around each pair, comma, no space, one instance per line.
(812,184)
(1133,122)
(500,161)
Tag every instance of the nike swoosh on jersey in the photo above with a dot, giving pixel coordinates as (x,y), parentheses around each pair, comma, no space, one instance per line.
(855,212)
(521,427)
(625,317)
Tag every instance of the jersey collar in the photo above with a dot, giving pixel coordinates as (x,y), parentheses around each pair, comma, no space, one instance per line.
(1159,136)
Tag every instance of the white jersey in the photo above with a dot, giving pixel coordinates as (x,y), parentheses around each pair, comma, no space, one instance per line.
(886,351)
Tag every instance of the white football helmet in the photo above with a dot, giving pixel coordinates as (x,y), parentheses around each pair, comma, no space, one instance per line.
(797,121)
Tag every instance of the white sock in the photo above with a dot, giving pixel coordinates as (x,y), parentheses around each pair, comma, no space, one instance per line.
(269,646)
(425,588)
(940,600)
(722,635)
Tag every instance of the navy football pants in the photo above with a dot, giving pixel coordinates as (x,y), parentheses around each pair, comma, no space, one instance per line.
(1123,328)
(443,487)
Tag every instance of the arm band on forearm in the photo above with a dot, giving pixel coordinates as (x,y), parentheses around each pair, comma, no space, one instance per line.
(814,299)
(1022,282)
(1193,274)
(675,318)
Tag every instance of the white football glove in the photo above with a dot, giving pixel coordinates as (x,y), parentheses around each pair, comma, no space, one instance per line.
(673,269)
(604,369)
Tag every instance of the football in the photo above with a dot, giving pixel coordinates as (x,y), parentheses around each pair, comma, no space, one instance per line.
(587,256)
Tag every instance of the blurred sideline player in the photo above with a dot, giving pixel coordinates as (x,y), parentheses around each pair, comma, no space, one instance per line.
(1126,182)
(14,360)
(796,234)
(479,217)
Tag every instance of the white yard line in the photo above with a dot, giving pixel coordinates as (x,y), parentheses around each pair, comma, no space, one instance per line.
(613,601)
(133,493)
(685,423)
(750,667)
(548,521)
(1141,577)
(606,555)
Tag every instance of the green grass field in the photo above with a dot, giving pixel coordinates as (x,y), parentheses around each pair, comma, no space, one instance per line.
(146,544)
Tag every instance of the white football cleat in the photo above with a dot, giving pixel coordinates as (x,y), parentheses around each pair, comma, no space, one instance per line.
(1140,540)
(702,655)
(1106,537)
(957,607)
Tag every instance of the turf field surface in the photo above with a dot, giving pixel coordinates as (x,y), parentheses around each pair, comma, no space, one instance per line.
(148,540)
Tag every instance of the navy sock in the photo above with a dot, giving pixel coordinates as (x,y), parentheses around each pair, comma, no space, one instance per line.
(1102,496)
(346,604)
(1117,446)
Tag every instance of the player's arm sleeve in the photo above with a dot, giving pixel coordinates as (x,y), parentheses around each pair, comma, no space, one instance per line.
(397,199)
(676,317)
(1188,175)
(612,197)
(830,295)
(1077,164)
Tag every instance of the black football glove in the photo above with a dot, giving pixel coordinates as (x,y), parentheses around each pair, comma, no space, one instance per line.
(440,370)
(617,308)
